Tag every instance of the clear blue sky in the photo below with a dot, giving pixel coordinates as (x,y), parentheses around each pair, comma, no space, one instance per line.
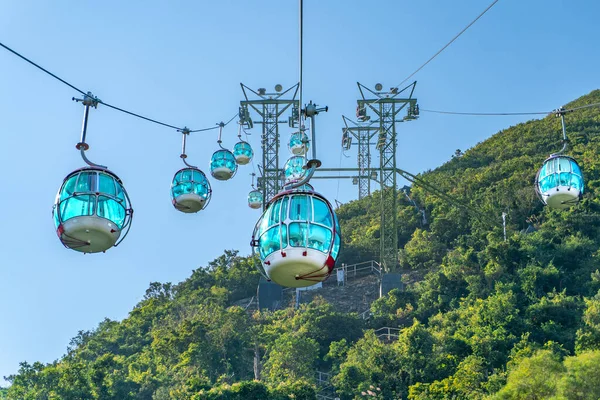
(182,62)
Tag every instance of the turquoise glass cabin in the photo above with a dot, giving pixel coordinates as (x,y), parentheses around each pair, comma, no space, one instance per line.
(298,219)
(93,192)
(255,199)
(560,182)
(294,168)
(223,165)
(298,143)
(91,210)
(242,152)
(190,190)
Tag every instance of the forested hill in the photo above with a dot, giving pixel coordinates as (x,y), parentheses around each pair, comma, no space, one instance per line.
(493,177)
(514,319)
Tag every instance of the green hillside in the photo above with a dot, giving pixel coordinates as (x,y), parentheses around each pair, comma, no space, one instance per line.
(514,319)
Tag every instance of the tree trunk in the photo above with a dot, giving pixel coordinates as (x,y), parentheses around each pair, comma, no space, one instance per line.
(257,366)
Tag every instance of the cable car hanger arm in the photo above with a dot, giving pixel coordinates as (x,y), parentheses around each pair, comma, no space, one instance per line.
(561,113)
(185,132)
(89,100)
(312,166)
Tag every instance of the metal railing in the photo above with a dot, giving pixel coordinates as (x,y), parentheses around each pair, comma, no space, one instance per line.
(323,378)
(360,269)
(366,315)
(388,333)
(324,397)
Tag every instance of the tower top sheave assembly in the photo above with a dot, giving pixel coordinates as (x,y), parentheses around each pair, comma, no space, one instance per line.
(269,107)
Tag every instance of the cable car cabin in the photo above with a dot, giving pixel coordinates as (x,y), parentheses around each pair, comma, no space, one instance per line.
(298,143)
(298,238)
(242,151)
(559,182)
(255,199)
(190,190)
(223,165)
(91,210)
(294,168)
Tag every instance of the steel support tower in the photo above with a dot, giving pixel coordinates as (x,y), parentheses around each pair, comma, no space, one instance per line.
(363,133)
(270,107)
(387,107)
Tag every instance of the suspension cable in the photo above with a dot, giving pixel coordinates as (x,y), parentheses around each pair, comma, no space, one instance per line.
(395,93)
(448,44)
(486,114)
(140,116)
(416,180)
(582,107)
(43,69)
(217,126)
(98,100)
(567,110)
